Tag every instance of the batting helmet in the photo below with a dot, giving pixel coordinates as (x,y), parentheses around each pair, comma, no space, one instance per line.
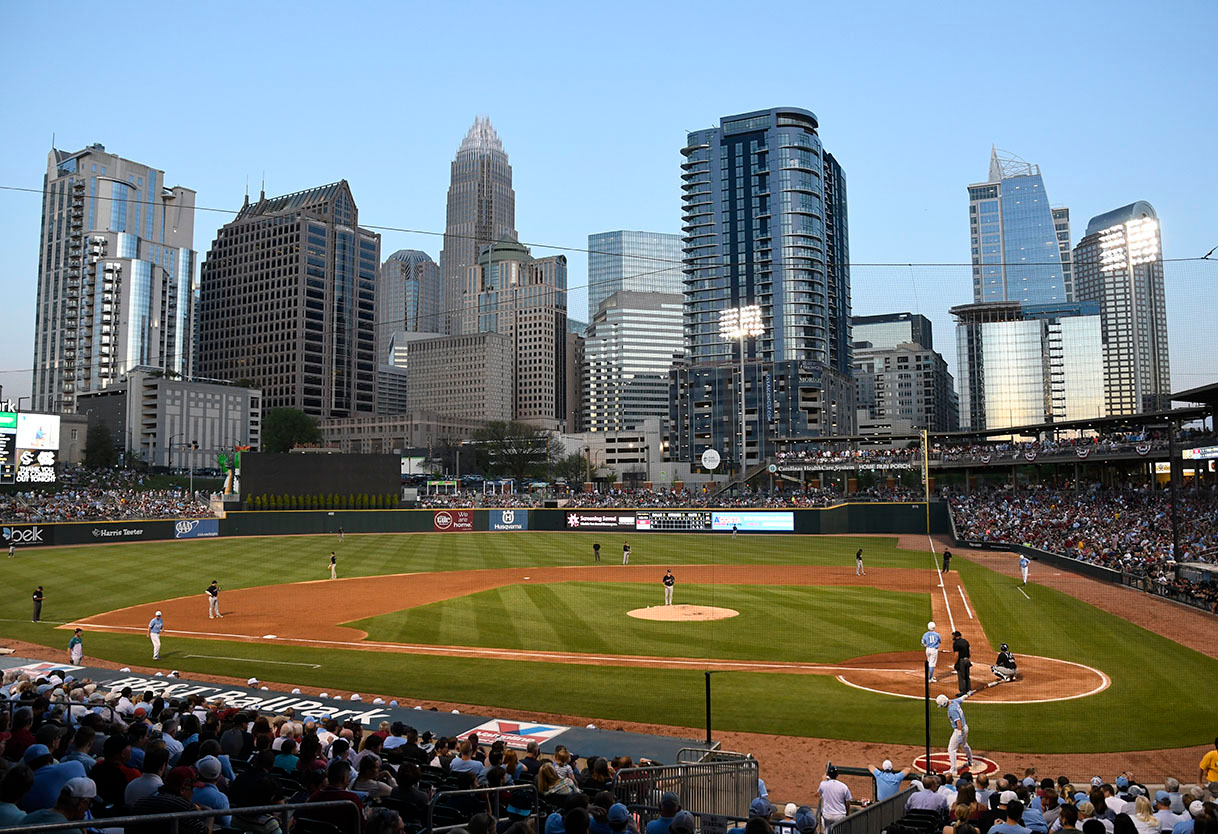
(941,700)
(931,625)
(1003,647)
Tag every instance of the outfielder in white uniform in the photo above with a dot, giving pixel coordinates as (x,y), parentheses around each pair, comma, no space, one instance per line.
(931,641)
(333,565)
(213,600)
(155,625)
(959,739)
(669,582)
(1024,561)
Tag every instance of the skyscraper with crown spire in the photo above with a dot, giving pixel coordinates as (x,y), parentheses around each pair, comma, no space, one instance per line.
(481,211)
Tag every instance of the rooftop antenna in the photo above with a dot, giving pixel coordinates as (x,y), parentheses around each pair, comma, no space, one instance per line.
(262,195)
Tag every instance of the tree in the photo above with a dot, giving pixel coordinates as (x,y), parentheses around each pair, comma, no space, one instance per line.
(515,450)
(284,428)
(99,448)
(572,468)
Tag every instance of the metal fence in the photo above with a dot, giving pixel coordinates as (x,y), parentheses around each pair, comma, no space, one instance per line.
(168,823)
(721,788)
(874,818)
(442,800)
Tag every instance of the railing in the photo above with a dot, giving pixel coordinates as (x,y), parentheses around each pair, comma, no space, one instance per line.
(720,788)
(492,793)
(875,817)
(168,823)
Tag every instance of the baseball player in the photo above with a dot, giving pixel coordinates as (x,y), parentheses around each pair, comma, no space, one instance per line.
(669,581)
(1004,667)
(38,598)
(213,601)
(596,551)
(341,533)
(964,662)
(858,563)
(733,531)
(959,739)
(12,549)
(625,553)
(931,642)
(333,565)
(155,626)
(947,561)
(1024,561)
(76,649)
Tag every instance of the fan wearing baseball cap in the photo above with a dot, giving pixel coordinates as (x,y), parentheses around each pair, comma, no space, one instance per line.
(887,781)
(173,796)
(73,803)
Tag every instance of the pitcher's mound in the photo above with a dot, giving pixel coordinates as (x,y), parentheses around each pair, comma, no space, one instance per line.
(683,612)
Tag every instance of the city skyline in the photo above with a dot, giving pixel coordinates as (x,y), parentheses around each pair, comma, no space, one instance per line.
(901,212)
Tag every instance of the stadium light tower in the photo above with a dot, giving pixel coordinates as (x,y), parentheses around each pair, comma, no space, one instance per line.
(737,324)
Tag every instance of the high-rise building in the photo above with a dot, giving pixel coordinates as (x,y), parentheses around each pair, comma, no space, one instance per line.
(1023,364)
(524,298)
(888,330)
(1118,265)
(1061,227)
(765,224)
(1015,250)
(461,377)
(632,343)
(635,261)
(287,300)
(116,269)
(481,211)
(409,296)
(901,383)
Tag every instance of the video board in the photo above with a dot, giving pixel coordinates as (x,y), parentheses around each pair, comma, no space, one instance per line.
(29,447)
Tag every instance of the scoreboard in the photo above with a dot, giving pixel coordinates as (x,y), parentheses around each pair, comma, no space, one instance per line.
(664,521)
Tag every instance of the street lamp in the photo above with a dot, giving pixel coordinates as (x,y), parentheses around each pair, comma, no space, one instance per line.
(737,324)
(170,449)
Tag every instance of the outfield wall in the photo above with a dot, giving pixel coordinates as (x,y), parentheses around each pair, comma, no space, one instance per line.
(1062,562)
(866,518)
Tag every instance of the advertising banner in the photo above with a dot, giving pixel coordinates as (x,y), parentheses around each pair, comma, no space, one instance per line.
(509,520)
(196,528)
(453,521)
(8,447)
(36,466)
(596,520)
(753,522)
(26,535)
(37,431)
(515,734)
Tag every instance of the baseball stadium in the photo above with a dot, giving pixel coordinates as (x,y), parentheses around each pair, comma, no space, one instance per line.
(758,632)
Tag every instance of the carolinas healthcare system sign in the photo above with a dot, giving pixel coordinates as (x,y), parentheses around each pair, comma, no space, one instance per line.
(509,519)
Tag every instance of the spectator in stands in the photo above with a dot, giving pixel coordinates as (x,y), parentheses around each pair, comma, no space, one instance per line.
(1209,770)
(787,825)
(253,785)
(1143,816)
(385,821)
(16,784)
(1172,786)
(596,776)
(512,766)
(619,819)
(834,796)
(338,777)
(563,763)
(287,760)
(1163,812)
(411,750)
(173,796)
(1013,823)
(310,757)
(48,777)
(467,763)
(72,803)
(1067,820)
(887,781)
(443,755)
(670,804)
(413,801)
(156,764)
(206,794)
(371,780)
(927,799)
(112,773)
(21,736)
(550,783)
(397,737)
(237,742)
(532,762)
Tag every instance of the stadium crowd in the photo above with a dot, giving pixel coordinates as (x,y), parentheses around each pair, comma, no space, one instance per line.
(1128,530)
(111,494)
(71,751)
(684,498)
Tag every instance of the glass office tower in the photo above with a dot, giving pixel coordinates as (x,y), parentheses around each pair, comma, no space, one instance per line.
(632,261)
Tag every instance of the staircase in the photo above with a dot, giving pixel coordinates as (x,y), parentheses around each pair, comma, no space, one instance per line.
(740,480)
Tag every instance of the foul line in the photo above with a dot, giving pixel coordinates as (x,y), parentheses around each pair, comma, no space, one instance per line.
(254,660)
(1022,591)
(965,601)
(934,558)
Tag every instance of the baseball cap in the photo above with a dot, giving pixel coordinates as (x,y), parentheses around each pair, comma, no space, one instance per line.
(669,798)
(886,764)
(554,824)
(1162,796)
(1122,782)
(158,613)
(1029,782)
(81,787)
(140,712)
(930,626)
(942,700)
(760,808)
(683,823)
(1096,781)
(1080,797)
(209,768)
(179,777)
(790,810)
(805,818)
(1196,807)
(619,814)
(1136,791)
(35,752)
(252,682)
(1007,796)
(957,634)
(521,804)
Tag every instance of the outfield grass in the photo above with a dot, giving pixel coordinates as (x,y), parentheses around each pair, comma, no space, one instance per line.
(787,623)
(1148,671)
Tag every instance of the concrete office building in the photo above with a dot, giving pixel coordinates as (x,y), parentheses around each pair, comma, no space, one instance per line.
(179,423)
(1025,364)
(891,329)
(903,387)
(481,211)
(1118,265)
(524,298)
(461,377)
(1016,255)
(633,342)
(394,433)
(1061,228)
(409,296)
(765,224)
(116,271)
(391,387)
(634,261)
(287,301)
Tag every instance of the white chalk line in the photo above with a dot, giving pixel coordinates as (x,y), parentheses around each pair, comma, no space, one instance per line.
(253,660)
(1022,591)
(934,558)
(965,601)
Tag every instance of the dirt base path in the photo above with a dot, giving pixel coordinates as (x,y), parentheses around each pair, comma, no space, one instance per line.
(276,612)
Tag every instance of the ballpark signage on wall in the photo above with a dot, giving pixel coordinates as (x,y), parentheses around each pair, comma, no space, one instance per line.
(509,519)
(36,466)
(196,528)
(453,521)
(577,520)
(779,522)
(516,734)
(27,535)
(8,447)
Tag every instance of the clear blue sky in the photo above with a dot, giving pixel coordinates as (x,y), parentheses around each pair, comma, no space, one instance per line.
(1115,101)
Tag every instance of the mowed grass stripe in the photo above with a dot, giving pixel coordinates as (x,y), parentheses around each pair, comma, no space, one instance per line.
(806,624)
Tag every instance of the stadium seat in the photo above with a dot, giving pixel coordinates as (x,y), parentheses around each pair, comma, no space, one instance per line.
(308,826)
